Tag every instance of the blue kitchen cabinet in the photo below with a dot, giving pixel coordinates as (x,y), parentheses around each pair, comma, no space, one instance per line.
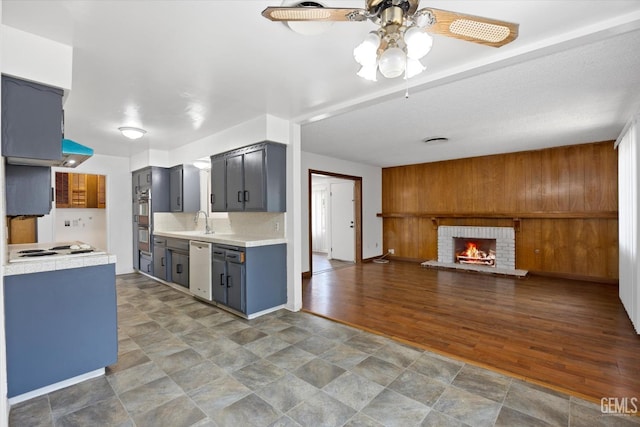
(218,184)
(59,325)
(249,280)
(178,261)
(184,188)
(150,186)
(254,179)
(31,122)
(28,190)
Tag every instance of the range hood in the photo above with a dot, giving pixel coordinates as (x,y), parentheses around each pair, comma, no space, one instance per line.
(72,155)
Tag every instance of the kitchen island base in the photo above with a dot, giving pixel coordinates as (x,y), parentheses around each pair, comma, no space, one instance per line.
(60,324)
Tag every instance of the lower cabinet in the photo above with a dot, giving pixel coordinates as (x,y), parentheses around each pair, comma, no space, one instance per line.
(160,257)
(249,280)
(178,259)
(146,265)
(180,268)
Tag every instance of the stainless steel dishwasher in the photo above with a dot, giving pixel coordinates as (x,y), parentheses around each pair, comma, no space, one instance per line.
(200,269)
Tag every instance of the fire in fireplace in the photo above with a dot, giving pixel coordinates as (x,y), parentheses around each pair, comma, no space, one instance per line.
(475,251)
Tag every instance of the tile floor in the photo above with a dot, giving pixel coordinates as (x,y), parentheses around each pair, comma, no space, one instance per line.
(186,363)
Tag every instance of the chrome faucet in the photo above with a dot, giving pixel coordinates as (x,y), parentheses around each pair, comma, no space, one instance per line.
(207,230)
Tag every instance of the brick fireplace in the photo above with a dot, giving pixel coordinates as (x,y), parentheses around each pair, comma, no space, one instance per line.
(502,253)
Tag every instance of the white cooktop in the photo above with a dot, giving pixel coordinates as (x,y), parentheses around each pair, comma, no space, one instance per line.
(52,250)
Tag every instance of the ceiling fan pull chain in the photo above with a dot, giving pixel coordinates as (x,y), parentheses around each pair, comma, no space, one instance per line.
(406,80)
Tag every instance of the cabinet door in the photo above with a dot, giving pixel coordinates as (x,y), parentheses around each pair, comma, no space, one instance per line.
(219,278)
(218,185)
(254,181)
(235,286)
(31,120)
(175,189)
(159,261)
(28,190)
(235,183)
(180,269)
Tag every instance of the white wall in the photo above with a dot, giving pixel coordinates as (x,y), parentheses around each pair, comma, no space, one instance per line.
(371,200)
(86,225)
(629,221)
(35,58)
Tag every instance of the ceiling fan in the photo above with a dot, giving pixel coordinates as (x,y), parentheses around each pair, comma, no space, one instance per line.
(403,37)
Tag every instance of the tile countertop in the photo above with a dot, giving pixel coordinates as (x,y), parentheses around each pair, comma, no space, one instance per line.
(41,264)
(240,240)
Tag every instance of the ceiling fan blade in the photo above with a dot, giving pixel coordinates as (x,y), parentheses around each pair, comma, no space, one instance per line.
(489,32)
(314,14)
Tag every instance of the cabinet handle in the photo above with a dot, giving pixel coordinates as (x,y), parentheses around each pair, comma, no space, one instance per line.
(221,279)
(162,262)
(148,268)
(178,200)
(246,196)
(213,198)
(52,194)
(240,196)
(229,281)
(179,268)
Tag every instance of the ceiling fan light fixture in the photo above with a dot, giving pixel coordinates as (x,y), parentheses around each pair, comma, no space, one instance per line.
(392,62)
(414,67)
(418,42)
(132,132)
(369,72)
(366,53)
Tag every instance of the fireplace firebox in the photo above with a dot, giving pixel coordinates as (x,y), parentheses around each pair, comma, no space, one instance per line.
(474,251)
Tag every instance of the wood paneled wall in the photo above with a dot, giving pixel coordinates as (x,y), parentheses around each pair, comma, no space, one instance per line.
(565,200)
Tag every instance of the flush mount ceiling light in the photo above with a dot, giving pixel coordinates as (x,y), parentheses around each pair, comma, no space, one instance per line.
(131,132)
(396,48)
(307,28)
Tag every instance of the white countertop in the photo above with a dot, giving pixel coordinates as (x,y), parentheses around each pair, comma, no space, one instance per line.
(241,240)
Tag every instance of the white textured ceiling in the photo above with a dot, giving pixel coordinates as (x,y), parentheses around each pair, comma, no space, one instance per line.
(187,69)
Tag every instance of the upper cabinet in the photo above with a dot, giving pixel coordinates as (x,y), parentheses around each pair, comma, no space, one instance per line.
(28,190)
(184,188)
(31,122)
(152,183)
(251,178)
(218,184)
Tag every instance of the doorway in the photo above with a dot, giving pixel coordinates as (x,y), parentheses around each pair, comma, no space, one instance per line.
(335,217)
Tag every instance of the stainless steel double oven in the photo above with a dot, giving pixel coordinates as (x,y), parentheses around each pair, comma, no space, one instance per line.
(143,219)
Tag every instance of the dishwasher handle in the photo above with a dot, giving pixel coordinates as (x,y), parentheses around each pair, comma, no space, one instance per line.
(199,245)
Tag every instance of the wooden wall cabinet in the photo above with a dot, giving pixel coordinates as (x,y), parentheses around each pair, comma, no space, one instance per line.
(77,190)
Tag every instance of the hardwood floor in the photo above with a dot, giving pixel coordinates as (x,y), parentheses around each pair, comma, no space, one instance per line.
(568,335)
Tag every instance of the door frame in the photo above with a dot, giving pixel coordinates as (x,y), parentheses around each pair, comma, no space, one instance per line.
(357,200)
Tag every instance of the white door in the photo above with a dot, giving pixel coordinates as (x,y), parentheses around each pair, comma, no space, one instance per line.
(319,218)
(343,232)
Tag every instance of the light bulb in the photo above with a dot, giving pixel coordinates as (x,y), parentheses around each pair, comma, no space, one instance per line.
(414,67)
(418,42)
(369,72)
(366,53)
(392,62)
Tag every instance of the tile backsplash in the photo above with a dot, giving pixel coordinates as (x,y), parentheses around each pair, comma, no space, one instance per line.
(259,224)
